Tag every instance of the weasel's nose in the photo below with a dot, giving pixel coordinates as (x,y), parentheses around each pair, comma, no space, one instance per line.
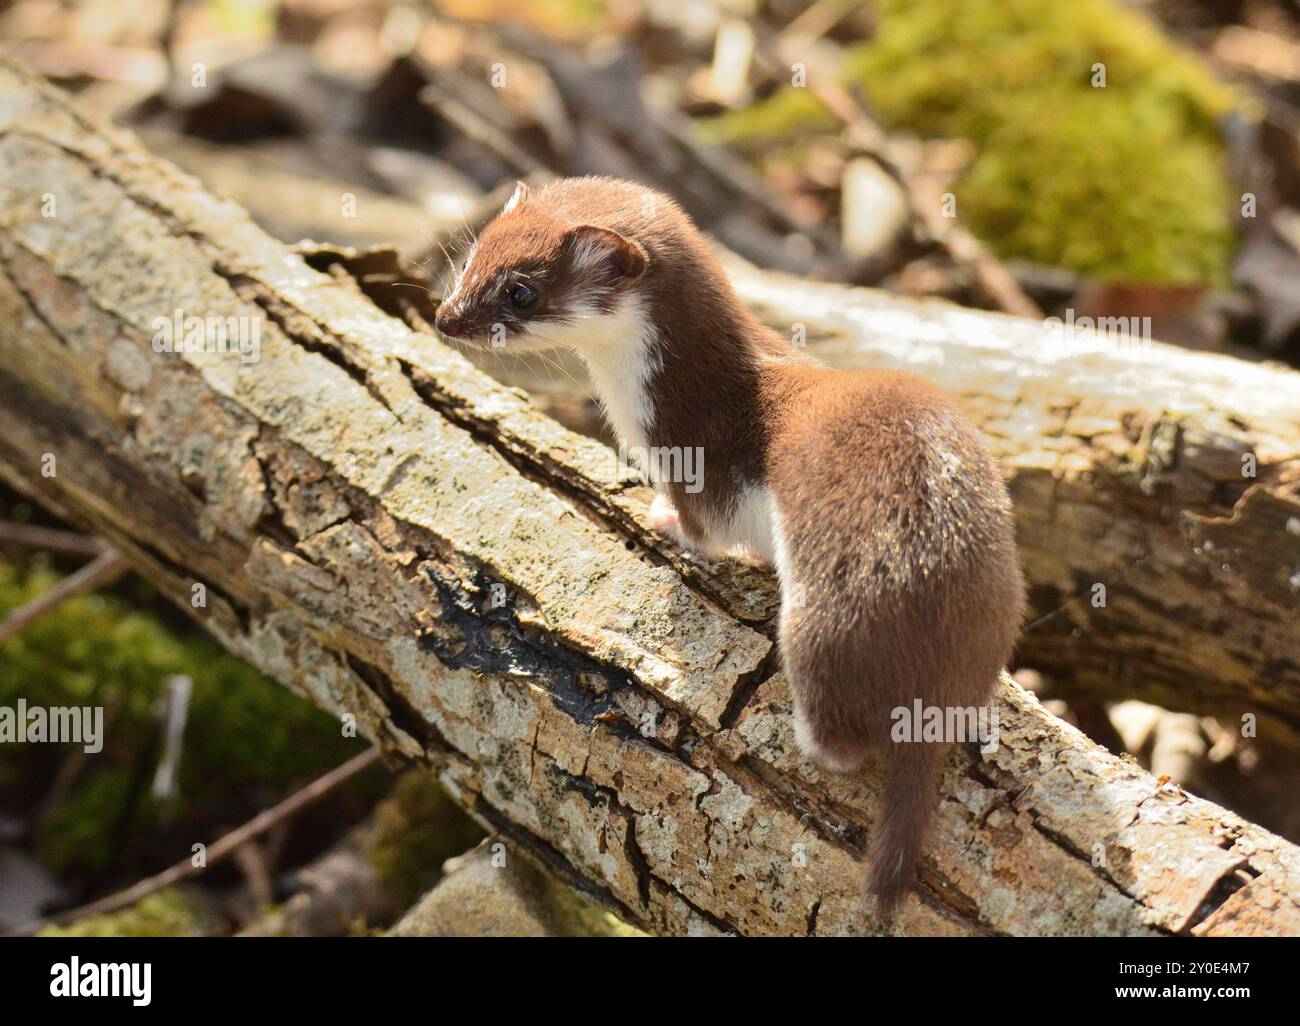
(448,323)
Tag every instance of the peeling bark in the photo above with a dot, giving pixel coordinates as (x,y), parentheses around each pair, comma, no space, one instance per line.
(390,532)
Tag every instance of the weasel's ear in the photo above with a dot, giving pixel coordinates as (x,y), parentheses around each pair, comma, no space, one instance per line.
(521,193)
(596,245)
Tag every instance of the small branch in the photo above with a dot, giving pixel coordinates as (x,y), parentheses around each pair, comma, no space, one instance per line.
(216,851)
(51,539)
(107,567)
(256,869)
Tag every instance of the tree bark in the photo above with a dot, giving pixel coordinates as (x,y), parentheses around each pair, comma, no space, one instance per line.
(396,536)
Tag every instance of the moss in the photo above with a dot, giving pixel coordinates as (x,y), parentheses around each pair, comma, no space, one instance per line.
(417,829)
(168,913)
(564,19)
(1126,182)
(965,67)
(244,732)
(787,113)
(1110,194)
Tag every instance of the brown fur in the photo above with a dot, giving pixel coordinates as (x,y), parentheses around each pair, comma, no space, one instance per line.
(893,516)
(913,588)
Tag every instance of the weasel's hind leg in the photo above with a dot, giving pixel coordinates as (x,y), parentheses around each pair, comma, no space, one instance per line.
(818,746)
(833,726)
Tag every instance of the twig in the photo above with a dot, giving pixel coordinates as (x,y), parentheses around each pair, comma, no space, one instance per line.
(253,864)
(216,851)
(103,569)
(817,19)
(51,539)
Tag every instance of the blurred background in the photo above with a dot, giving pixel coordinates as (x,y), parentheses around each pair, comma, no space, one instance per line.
(1032,156)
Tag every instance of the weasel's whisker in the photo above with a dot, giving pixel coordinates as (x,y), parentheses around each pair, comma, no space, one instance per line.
(450,262)
(465,219)
(411,285)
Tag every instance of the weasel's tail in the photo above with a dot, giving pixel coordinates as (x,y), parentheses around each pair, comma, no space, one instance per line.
(909,795)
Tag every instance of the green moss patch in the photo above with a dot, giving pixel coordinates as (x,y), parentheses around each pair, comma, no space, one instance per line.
(173,912)
(417,828)
(245,734)
(1126,182)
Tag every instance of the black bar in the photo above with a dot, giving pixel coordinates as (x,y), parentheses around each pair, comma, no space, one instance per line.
(435,976)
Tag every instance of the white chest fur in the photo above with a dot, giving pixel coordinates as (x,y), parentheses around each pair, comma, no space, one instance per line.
(621,351)
(622,355)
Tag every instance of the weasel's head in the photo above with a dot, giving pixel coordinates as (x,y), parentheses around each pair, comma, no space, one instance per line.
(533,282)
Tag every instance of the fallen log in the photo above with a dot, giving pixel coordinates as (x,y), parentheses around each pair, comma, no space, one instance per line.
(1169,479)
(355,509)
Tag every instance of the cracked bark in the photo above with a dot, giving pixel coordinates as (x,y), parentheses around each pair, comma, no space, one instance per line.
(388,531)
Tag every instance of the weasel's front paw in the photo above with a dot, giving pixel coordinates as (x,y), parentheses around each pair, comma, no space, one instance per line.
(663,518)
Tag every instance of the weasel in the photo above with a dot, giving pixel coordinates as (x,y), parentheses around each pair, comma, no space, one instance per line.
(884,515)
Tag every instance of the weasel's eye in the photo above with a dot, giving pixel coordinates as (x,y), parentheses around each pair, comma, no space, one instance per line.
(523,297)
